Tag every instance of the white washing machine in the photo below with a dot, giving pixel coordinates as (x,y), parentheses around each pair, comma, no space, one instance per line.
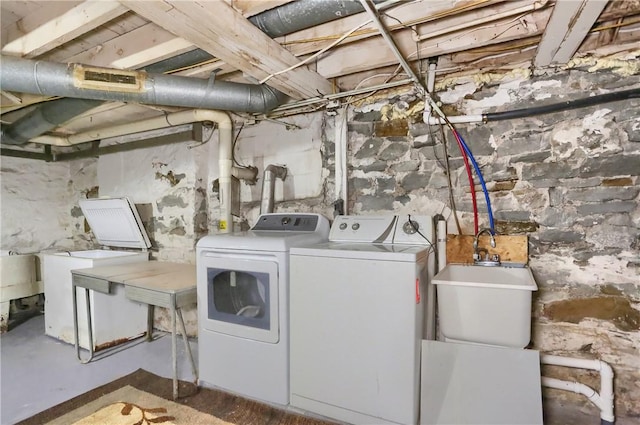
(360,306)
(243,305)
(115,319)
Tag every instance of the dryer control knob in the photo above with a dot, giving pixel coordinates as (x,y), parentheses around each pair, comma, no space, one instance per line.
(343,226)
(355,226)
(410,227)
(285,220)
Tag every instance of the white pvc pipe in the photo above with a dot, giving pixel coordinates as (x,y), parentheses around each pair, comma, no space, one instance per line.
(225,165)
(603,400)
(431,84)
(170,120)
(442,244)
(225,159)
(454,119)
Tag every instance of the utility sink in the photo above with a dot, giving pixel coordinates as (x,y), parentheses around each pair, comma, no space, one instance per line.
(485,305)
(488,277)
(16,271)
(17,280)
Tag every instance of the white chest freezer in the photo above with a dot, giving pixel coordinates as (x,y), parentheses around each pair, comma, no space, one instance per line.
(115,319)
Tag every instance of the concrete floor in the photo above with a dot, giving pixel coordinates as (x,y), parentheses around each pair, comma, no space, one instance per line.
(38,372)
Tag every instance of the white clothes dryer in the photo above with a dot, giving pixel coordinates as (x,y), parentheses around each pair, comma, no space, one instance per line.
(359,304)
(243,304)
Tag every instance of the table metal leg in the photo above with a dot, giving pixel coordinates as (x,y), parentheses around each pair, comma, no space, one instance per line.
(150,310)
(174,348)
(76,331)
(194,370)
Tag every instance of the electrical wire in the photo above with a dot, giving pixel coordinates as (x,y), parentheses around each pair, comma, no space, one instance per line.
(481,178)
(318,53)
(233,148)
(432,247)
(452,201)
(389,76)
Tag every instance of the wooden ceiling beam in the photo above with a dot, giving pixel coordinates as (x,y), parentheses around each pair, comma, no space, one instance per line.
(405,14)
(30,16)
(254,7)
(51,33)
(570,23)
(357,57)
(223,32)
(143,46)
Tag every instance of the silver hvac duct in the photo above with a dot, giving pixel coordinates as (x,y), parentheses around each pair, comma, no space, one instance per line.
(45,118)
(286,19)
(301,14)
(268,186)
(74,80)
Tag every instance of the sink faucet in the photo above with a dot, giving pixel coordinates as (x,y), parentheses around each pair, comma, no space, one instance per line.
(475,240)
(486,261)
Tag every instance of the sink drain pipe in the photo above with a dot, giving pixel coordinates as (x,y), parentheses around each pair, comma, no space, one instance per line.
(603,400)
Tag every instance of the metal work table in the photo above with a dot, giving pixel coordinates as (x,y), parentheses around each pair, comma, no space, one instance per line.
(163,284)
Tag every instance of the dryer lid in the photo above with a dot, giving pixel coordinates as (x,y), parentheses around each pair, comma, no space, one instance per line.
(115,222)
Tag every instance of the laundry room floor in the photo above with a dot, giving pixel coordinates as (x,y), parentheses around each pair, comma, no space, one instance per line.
(38,372)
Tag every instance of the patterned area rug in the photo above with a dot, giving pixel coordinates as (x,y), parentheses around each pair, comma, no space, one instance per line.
(144,398)
(129,406)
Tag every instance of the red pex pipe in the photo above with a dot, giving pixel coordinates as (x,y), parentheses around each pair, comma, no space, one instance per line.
(471,183)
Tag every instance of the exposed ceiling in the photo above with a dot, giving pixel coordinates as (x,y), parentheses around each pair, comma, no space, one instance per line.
(461,36)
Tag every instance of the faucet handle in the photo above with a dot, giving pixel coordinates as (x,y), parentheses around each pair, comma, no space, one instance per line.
(495,258)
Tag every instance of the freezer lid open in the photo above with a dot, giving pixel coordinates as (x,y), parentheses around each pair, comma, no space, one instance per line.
(115,222)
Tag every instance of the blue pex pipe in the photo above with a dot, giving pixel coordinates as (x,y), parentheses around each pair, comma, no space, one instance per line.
(482,182)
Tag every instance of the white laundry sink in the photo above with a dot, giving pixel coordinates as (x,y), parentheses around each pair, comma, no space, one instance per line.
(485,305)
(487,277)
(17,280)
(17,273)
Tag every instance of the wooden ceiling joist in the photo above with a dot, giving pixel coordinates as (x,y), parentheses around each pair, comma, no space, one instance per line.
(405,14)
(570,23)
(357,57)
(143,46)
(47,33)
(227,35)
(254,7)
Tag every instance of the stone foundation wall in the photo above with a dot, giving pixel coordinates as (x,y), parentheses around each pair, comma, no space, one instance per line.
(569,180)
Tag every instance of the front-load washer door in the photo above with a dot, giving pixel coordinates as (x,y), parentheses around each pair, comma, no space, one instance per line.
(242,298)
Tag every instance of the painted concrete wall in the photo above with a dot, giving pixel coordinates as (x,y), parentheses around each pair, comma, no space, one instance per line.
(569,180)
(39,204)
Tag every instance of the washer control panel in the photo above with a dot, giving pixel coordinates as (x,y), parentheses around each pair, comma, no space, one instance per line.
(382,229)
(289,222)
